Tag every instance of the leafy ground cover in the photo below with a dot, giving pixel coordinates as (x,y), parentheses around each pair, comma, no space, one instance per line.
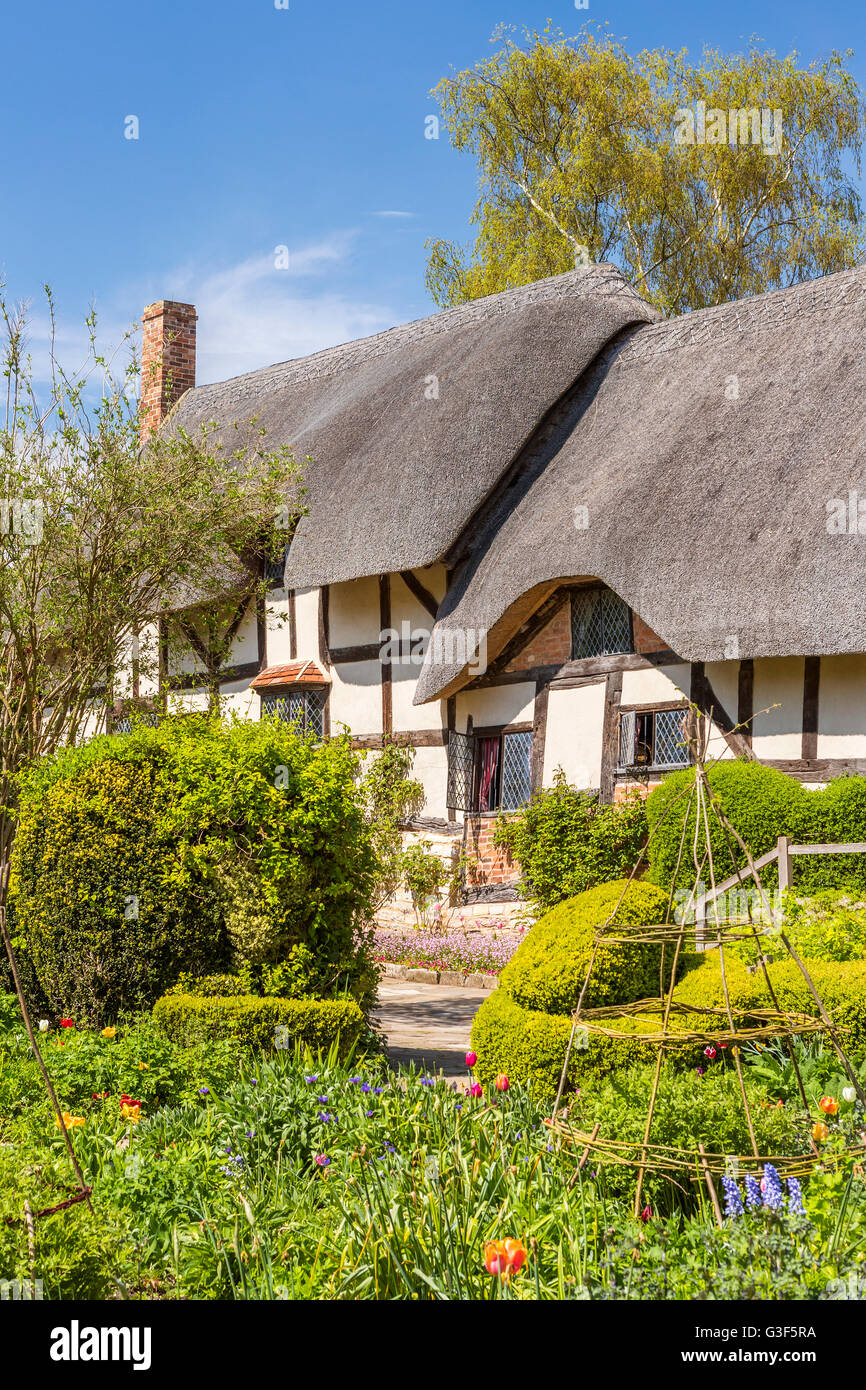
(219,1174)
(470,952)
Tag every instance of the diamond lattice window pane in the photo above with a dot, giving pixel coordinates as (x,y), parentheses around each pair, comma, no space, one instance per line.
(670,739)
(303,708)
(461,768)
(626,739)
(315,724)
(516,771)
(600,623)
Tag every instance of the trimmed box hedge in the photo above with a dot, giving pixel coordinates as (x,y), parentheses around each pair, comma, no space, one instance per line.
(530,1046)
(548,970)
(251,1021)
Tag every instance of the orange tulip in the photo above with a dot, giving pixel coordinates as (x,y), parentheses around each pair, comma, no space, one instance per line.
(504,1257)
(828,1104)
(820,1132)
(515,1253)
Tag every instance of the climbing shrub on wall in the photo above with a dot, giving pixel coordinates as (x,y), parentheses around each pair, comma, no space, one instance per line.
(565,841)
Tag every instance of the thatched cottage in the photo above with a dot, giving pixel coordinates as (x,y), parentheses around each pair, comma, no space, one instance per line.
(541,522)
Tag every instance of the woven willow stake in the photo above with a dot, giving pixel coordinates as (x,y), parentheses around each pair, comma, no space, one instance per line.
(711,1187)
(703,792)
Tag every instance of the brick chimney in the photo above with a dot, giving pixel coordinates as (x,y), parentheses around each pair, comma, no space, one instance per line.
(167,360)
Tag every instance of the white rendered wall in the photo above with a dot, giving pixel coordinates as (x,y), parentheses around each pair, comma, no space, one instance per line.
(778,733)
(842,707)
(575,721)
(503,704)
(356,697)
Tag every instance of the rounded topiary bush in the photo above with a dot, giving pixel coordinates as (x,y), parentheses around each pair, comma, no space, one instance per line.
(841,986)
(530,1047)
(548,971)
(109,914)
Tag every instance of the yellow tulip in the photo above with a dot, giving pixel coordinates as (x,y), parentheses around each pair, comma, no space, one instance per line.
(69,1120)
(109,1032)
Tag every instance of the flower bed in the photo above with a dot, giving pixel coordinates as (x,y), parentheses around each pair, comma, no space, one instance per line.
(470,952)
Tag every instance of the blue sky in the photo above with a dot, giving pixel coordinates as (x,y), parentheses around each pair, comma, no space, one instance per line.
(262,127)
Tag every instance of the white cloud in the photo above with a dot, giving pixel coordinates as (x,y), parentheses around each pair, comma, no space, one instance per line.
(250,314)
(253,314)
(393,214)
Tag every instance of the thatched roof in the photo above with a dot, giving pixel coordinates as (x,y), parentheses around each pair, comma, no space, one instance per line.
(706,449)
(397,471)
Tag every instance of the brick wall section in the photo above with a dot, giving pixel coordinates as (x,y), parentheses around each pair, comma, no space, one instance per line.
(643,789)
(645,640)
(493,865)
(551,646)
(167,360)
(553,643)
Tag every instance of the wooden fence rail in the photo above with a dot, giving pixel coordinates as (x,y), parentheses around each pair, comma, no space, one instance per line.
(784,851)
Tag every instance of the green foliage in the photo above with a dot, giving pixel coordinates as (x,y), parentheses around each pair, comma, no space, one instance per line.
(424,874)
(198,820)
(820,1069)
(549,969)
(390,797)
(578,162)
(834,815)
(245,1184)
(529,1047)
(830,926)
(690,1109)
(760,802)
(565,841)
(841,986)
(110,913)
(251,1021)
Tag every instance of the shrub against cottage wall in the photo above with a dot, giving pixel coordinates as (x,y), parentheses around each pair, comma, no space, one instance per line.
(566,841)
(125,843)
(762,804)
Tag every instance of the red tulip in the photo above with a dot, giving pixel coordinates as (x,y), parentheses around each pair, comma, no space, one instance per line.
(67,1023)
(646,1214)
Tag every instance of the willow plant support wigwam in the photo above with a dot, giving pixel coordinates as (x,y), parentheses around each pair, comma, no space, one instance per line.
(698,1025)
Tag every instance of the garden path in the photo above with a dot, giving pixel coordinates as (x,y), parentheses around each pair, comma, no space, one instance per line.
(428,1024)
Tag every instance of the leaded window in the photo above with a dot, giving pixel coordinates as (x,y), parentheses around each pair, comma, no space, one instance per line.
(489,772)
(303,708)
(656,739)
(600,623)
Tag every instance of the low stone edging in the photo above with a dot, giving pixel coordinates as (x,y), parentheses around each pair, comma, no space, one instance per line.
(439,977)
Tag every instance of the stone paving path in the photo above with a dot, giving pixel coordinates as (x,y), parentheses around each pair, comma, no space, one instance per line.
(428,1024)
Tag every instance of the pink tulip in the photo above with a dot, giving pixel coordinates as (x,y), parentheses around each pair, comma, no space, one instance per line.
(471,1059)
(475,1090)
(502,1082)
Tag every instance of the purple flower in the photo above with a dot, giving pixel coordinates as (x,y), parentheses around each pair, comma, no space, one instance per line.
(365,1087)
(323,1100)
(369,1113)
(753,1192)
(771,1187)
(203,1091)
(322,1160)
(795,1198)
(325,1117)
(310,1079)
(733,1200)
